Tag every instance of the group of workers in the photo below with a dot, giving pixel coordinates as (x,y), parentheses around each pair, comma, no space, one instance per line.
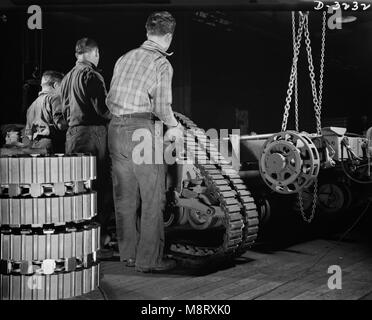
(93,121)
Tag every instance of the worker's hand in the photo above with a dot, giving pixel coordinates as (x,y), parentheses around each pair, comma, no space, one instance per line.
(62,125)
(42,131)
(174,134)
(26,140)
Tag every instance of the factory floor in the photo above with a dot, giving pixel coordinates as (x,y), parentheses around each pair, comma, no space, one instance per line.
(298,271)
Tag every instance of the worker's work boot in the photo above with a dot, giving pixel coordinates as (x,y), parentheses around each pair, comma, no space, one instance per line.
(130,263)
(165,265)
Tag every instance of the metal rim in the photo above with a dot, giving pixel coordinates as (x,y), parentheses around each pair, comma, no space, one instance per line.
(289,162)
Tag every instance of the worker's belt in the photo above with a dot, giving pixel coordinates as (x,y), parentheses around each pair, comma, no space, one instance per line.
(140,115)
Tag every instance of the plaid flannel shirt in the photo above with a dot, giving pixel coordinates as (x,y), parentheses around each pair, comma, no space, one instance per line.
(142,82)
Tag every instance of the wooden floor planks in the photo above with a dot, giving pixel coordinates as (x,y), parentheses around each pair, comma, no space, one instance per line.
(298,272)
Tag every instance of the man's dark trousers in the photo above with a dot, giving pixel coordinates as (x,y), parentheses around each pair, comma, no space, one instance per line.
(139,194)
(93,140)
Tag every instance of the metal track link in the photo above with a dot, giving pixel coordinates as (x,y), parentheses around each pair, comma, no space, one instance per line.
(193,250)
(48,266)
(49,287)
(51,210)
(48,243)
(36,169)
(241,217)
(59,245)
(233,219)
(36,190)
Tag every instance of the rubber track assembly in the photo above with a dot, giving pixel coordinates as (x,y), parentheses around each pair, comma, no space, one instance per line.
(240,213)
(49,243)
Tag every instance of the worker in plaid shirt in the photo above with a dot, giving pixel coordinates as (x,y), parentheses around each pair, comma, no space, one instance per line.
(140,93)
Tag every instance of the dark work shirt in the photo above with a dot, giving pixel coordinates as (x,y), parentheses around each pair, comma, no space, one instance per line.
(44,116)
(83,94)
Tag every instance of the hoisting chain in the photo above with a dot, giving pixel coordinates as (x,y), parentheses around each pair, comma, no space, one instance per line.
(296,75)
(317,99)
(313,208)
(296,49)
(317,95)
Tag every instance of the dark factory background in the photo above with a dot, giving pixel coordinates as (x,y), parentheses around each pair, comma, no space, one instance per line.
(223,60)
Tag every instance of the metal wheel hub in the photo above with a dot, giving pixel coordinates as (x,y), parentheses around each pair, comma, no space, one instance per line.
(200,220)
(289,162)
(334,198)
(276,162)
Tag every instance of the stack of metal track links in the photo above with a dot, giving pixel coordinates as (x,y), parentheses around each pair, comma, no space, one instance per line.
(48,239)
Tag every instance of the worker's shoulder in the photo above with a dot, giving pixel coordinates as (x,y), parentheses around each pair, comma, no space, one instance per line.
(83,70)
(159,59)
(86,75)
(67,78)
(53,98)
(40,99)
(90,72)
(163,64)
(129,55)
(143,56)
